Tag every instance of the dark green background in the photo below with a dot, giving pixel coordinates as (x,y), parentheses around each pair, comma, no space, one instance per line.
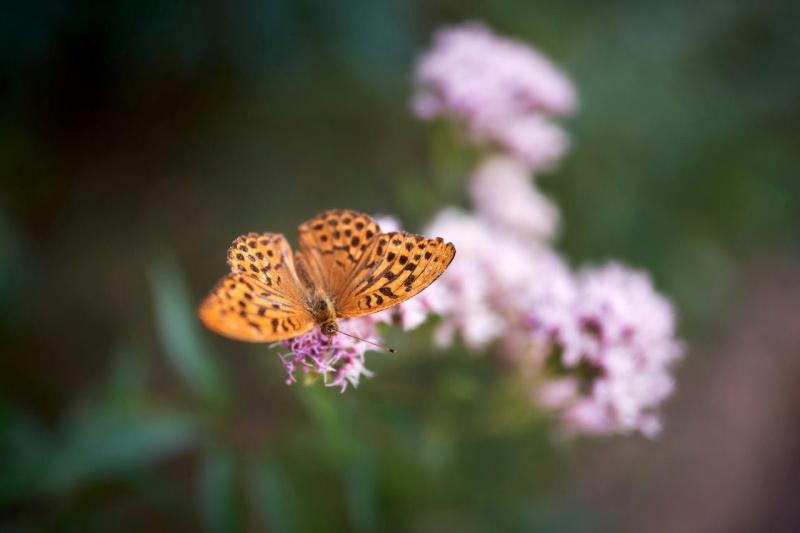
(137,139)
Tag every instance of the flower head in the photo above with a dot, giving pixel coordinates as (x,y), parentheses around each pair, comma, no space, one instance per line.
(482,78)
(613,350)
(497,277)
(503,193)
(339,359)
(532,139)
(500,89)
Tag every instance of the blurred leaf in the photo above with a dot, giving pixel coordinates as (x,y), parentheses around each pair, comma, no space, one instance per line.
(273,495)
(97,443)
(24,447)
(329,409)
(127,383)
(218,493)
(179,332)
(361,490)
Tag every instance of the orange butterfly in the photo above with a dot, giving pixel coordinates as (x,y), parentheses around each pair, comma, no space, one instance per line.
(345,268)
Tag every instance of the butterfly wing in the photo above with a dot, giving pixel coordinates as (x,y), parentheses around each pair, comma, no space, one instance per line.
(332,244)
(395,267)
(262,299)
(363,270)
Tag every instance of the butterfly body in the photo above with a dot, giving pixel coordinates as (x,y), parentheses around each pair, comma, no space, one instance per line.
(324,313)
(345,267)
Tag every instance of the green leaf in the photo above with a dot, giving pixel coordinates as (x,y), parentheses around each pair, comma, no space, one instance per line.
(179,332)
(272,495)
(218,495)
(24,447)
(100,443)
(127,382)
(333,430)
(361,491)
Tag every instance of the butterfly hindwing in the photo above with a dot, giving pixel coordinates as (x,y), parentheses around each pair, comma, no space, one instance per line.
(332,244)
(397,266)
(243,308)
(262,299)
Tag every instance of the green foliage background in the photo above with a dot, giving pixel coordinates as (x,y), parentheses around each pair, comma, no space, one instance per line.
(138,138)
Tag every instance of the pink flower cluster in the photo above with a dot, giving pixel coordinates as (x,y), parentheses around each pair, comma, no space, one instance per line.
(501,90)
(599,344)
(338,360)
(613,347)
(502,192)
(496,278)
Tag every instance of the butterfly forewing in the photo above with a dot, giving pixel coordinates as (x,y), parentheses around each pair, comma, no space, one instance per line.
(332,245)
(396,267)
(262,300)
(266,257)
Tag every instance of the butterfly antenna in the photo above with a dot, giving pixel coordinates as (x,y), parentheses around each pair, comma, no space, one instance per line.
(381,346)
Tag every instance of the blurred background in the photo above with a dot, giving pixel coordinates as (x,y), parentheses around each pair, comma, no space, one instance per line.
(137,139)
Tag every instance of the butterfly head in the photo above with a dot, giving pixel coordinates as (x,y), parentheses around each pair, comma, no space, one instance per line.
(329,328)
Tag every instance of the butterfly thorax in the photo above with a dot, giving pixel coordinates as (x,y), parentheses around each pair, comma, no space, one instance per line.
(324,314)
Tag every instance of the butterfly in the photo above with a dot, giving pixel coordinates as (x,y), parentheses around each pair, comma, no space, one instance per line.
(345,267)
